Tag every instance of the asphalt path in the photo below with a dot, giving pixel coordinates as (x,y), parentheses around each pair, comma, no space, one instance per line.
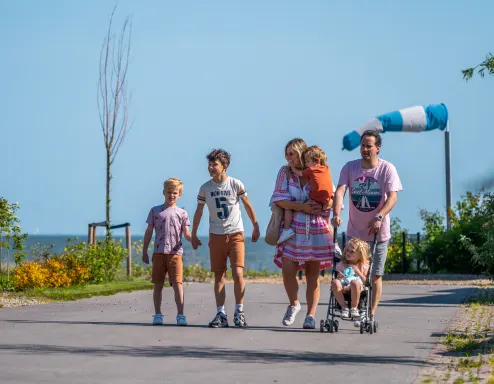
(111,339)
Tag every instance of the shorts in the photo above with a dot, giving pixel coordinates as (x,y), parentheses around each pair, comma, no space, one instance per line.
(379,258)
(163,264)
(223,247)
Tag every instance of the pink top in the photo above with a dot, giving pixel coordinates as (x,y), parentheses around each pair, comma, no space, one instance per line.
(369,190)
(169,224)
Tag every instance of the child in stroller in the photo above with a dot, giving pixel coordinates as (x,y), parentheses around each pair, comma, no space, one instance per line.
(354,287)
(351,277)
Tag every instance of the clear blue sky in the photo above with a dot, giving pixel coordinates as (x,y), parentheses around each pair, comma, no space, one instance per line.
(245,76)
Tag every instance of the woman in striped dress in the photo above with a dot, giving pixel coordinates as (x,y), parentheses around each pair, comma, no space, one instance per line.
(311,248)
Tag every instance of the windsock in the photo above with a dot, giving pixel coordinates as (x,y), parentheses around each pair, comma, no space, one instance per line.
(414,119)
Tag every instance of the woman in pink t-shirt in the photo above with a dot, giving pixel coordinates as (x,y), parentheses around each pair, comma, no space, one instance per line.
(311,248)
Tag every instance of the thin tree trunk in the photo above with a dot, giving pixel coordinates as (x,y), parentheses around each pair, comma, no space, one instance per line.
(108,201)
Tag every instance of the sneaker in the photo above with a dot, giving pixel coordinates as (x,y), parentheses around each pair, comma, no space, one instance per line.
(290,314)
(181,320)
(354,313)
(285,235)
(158,319)
(309,322)
(219,321)
(344,313)
(239,319)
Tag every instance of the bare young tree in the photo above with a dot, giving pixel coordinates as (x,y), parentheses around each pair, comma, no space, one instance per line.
(113,96)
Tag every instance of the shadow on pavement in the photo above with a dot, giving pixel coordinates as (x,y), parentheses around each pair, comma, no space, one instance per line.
(212,353)
(117,323)
(453,296)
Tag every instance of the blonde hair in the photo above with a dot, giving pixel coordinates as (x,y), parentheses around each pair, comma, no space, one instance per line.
(316,154)
(299,146)
(173,182)
(362,249)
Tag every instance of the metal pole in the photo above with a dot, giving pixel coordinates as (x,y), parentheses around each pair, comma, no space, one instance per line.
(448,176)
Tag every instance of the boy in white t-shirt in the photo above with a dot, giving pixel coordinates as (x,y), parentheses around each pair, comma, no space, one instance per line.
(222,195)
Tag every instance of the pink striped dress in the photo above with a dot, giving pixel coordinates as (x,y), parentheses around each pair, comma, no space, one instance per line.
(313,240)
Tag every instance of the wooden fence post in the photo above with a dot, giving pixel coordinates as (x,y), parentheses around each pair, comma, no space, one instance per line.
(418,258)
(129,250)
(404,252)
(89,234)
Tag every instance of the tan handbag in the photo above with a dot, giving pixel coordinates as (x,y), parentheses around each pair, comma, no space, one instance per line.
(274,227)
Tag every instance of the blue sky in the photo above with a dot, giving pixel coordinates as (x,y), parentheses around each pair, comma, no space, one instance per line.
(245,76)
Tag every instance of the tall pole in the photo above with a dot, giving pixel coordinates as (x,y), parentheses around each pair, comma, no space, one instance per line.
(448,176)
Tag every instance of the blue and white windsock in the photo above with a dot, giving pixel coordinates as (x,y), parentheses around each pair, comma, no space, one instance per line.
(413,119)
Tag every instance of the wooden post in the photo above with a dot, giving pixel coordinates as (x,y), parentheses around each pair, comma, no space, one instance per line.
(417,255)
(94,235)
(404,252)
(89,234)
(129,250)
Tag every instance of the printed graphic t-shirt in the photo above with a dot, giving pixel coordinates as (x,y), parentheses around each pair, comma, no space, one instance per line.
(169,224)
(368,191)
(223,201)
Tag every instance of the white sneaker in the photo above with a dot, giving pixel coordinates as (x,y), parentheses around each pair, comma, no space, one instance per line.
(181,320)
(291,313)
(344,313)
(158,319)
(285,235)
(354,313)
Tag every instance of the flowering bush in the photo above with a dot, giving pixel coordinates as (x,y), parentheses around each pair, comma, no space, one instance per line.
(78,264)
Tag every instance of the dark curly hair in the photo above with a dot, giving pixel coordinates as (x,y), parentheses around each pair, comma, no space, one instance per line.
(373,133)
(221,155)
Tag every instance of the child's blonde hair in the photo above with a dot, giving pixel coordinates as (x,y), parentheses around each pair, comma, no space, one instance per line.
(173,182)
(315,153)
(362,248)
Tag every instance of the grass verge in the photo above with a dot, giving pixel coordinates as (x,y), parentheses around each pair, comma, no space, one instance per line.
(86,291)
(466,353)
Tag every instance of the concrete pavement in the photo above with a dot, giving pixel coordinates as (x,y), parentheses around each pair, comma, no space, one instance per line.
(110,340)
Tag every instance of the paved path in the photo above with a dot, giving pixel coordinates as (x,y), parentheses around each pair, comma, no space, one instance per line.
(110,340)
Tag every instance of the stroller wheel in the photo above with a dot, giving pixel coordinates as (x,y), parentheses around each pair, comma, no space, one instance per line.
(371,327)
(361,327)
(330,327)
(375,326)
(336,325)
(322,324)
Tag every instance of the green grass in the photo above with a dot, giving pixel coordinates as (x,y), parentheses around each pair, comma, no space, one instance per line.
(461,342)
(90,290)
(466,363)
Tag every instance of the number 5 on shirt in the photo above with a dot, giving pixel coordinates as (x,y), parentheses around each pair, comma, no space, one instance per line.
(223,215)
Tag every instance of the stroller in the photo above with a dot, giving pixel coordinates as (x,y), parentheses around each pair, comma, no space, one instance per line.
(366,321)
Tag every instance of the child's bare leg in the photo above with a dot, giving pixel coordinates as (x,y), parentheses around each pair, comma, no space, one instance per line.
(355,290)
(157,294)
(338,292)
(179,297)
(288,217)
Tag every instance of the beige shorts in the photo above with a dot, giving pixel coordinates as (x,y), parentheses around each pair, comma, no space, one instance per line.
(163,264)
(224,247)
